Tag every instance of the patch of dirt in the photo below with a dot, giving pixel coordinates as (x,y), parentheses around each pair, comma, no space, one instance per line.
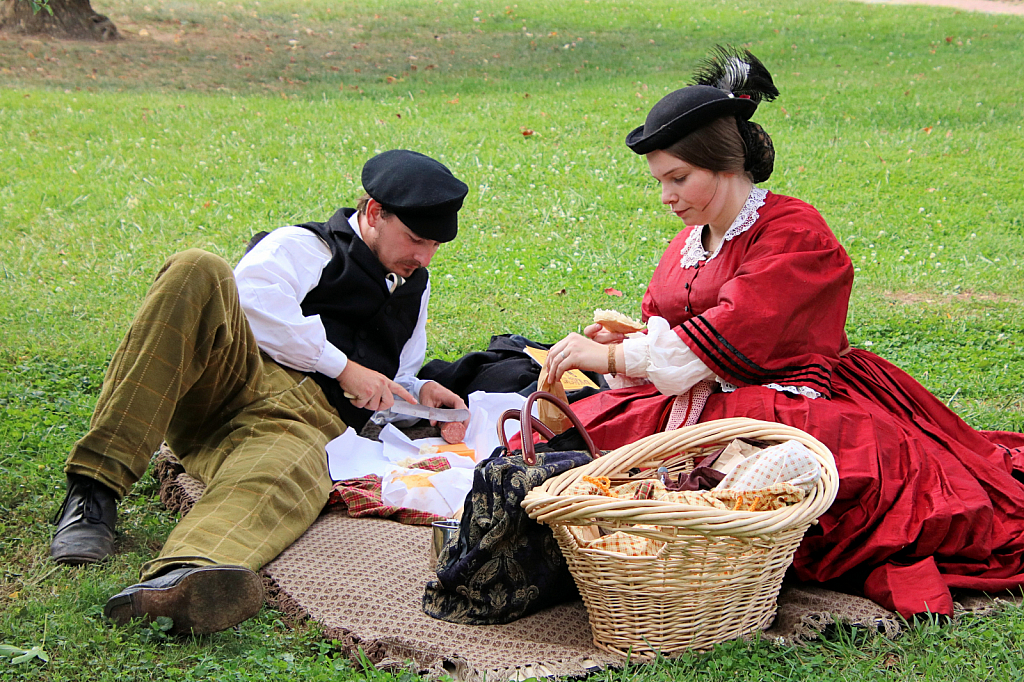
(984,6)
(910,298)
(233,49)
(245,53)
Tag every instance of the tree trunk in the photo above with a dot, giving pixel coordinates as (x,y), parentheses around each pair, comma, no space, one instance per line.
(70,19)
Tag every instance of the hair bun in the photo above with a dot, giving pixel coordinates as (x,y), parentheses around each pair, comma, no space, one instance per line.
(760,152)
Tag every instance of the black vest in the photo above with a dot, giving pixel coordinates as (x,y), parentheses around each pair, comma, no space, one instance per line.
(362,319)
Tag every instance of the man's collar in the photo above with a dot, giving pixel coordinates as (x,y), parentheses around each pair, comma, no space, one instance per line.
(394,280)
(353,221)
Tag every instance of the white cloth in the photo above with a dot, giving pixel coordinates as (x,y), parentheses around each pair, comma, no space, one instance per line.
(789,462)
(276,275)
(662,357)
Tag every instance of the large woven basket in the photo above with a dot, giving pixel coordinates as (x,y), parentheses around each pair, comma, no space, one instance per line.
(718,575)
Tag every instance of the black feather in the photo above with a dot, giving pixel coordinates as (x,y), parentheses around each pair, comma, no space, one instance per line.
(738,72)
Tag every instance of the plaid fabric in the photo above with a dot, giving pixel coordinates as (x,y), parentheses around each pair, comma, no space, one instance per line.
(767,499)
(627,543)
(362,497)
(189,370)
(644,489)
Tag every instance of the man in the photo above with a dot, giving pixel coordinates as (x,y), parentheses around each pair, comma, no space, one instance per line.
(247,375)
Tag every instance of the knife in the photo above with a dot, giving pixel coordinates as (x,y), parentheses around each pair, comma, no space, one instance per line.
(433,413)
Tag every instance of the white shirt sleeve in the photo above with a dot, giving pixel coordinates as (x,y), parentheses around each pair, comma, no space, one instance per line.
(663,358)
(415,351)
(273,279)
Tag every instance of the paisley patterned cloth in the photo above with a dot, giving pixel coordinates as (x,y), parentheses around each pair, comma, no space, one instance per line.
(504,565)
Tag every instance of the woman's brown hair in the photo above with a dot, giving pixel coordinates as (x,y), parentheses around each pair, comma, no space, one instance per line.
(721,147)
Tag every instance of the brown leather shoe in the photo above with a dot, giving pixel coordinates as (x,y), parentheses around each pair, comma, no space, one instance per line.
(199,599)
(85,523)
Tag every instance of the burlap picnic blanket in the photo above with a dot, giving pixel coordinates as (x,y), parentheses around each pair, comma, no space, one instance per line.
(362,580)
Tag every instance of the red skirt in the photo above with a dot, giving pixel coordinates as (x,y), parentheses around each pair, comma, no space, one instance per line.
(925,503)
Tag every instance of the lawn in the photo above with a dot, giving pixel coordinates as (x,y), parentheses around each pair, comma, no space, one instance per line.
(214,120)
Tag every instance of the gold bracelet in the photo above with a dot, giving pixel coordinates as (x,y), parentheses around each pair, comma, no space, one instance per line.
(611,359)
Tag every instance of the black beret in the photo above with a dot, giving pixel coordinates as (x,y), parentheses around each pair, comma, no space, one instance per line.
(420,191)
(680,113)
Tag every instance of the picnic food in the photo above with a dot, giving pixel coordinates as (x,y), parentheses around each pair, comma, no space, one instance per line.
(453,432)
(614,321)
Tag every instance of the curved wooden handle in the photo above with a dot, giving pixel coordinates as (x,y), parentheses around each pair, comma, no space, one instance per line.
(529,453)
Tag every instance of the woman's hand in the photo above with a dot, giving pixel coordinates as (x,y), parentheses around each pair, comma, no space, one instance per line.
(577,352)
(597,332)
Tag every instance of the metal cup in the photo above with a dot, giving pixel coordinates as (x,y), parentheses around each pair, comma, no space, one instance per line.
(442,533)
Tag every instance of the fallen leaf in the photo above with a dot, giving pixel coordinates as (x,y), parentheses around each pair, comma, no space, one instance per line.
(206,205)
(928,130)
(612,292)
(527,132)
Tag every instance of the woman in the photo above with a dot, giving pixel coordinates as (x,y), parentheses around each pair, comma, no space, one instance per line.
(746,310)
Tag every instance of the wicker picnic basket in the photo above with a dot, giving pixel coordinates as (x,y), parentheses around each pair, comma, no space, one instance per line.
(719,572)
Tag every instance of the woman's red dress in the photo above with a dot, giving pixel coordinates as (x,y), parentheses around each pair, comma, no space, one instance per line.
(925,504)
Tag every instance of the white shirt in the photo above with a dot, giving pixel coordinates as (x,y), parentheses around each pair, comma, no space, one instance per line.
(275,277)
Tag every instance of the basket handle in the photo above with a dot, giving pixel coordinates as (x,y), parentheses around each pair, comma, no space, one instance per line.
(515,414)
(527,421)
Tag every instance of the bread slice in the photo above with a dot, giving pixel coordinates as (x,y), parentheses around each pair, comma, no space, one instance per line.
(614,321)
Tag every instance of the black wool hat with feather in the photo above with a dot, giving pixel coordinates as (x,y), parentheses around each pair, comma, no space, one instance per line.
(729,83)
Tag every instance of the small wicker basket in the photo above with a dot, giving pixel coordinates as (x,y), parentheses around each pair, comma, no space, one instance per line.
(719,573)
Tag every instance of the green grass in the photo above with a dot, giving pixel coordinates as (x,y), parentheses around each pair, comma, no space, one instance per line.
(901,124)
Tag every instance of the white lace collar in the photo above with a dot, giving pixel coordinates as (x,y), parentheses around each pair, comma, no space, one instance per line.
(693,250)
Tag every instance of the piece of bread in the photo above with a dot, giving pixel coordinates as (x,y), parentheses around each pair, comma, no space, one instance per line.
(614,321)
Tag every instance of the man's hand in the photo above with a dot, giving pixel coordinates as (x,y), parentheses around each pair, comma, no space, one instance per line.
(369,389)
(433,394)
